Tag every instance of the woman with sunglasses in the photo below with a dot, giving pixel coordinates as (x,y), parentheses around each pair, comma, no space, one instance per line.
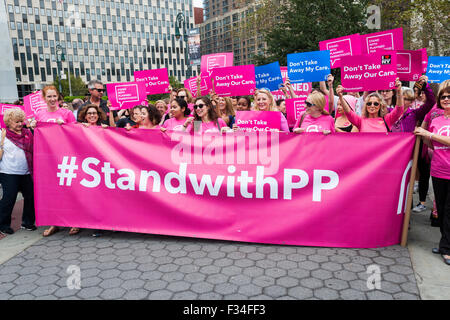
(438,138)
(179,112)
(315,118)
(375,116)
(206,118)
(264,101)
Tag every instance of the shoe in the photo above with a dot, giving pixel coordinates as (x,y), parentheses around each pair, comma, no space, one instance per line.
(28,228)
(436,250)
(419,208)
(446,261)
(7,231)
(97,233)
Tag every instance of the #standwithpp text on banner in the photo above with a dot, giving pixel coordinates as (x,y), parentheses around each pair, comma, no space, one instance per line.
(254,187)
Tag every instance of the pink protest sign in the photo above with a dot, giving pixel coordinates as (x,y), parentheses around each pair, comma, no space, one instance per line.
(341,47)
(265,187)
(409,65)
(369,72)
(33,103)
(205,86)
(234,81)
(3,108)
(126,95)
(216,60)
(424,60)
(294,107)
(263,121)
(156,81)
(382,41)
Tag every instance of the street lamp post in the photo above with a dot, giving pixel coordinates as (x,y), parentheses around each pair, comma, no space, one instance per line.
(60,58)
(180,23)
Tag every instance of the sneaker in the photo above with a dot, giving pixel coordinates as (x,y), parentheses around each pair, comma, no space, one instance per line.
(28,228)
(7,231)
(419,208)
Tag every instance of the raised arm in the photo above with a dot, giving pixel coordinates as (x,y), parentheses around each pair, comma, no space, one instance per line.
(330,81)
(431,99)
(288,85)
(351,115)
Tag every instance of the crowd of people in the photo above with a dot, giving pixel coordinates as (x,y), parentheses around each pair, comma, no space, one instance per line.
(423,110)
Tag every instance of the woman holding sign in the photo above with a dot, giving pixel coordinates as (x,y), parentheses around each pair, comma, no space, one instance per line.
(206,116)
(375,116)
(179,112)
(438,138)
(315,118)
(264,102)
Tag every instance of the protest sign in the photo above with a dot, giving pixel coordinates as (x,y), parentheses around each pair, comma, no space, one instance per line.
(409,65)
(33,103)
(388,40)
(369,72)
(234,81)
(269,187)
(251,121)
(215,60)
(268,76)
(341,47)
(126,95)
(308,66)
(156,81)
(300,89)
(438,69)
(294,107)
(205,85)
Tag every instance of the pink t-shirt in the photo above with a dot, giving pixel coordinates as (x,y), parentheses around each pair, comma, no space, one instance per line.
(375,124)
(45,116)
(440,163)
(210,126)
(434,113)
(174,124)
(311,124)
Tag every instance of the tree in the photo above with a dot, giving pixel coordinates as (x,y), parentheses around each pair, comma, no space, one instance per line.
(79,88)
(300,25)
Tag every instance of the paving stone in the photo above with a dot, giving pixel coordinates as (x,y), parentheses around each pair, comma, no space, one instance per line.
(287,282)
(255,256)
(296,257)
(225,288)
(216,255)
(410,288)
(133,284)
(247,249)
(155,285)
(318,258)
(384,261)
(113,293)
(90,282)
(202,287)
(130,275)
(44,290)
(300,293)
(194,277)
(231,270)
(321,274)
(217,278)
(336,284)
(5,278)
(189,268)
(287,264)
(265,264)
(352,294)
(186,295)
(223,262)
(141,294)
(308,265)
(345,275)
(250,290)
(22,289)
(210,296)
(331,266)
(275,291)
(379,295)
(405,296)
(244,263)
(401,269)
(326,294)
(89,293)
(111,283)
(394,277)
(340,258)
(22,297)
(299,273)
(263,281)
(210,269)
(241,279)
(311,283)
(172,276)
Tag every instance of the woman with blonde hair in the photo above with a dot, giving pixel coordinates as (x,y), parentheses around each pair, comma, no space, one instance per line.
(264,101)
(315,118)
(163,109)
(226,110)
(375,115)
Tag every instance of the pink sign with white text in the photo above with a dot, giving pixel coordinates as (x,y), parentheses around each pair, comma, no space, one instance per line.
(294,108)
(33,103)
(369,72)
(382,41)
(126,95)
(409,65)
(234,81)
(205,85)
(341,47)
(156,81)
(262,121)
(216,60)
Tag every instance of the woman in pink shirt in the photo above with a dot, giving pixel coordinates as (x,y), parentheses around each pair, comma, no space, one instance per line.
(206,118)
(375,116)
(179,112)
(264,101)
(150,118)
(315,118)
(438,138)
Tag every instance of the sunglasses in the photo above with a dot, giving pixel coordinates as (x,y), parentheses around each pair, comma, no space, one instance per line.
(376,104)
(200,105)
(99,90)
(445,97)
(181,96)
(308,104)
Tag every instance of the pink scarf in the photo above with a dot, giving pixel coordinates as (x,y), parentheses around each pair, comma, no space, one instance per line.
(25,142)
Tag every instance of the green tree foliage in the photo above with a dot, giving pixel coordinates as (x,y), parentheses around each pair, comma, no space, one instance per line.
(301,25)
(174,83)
(79,88)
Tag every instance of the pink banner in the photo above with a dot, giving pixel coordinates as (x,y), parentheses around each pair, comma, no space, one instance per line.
(300,89)
(253,187)
(341,47)
(215,60)
(126,95)
(3,108)
(409,65)
(369,72)
(156,81)
(32,103)
(234,81)
(262,121)
(205,86)
(294,107)
(382,41)
(424,60)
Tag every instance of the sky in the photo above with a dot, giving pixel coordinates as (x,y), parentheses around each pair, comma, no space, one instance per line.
(198,3)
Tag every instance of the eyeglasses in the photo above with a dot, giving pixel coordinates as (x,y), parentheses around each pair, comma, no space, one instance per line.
(99,90)
(309,104)
(445,97)
(200,105)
